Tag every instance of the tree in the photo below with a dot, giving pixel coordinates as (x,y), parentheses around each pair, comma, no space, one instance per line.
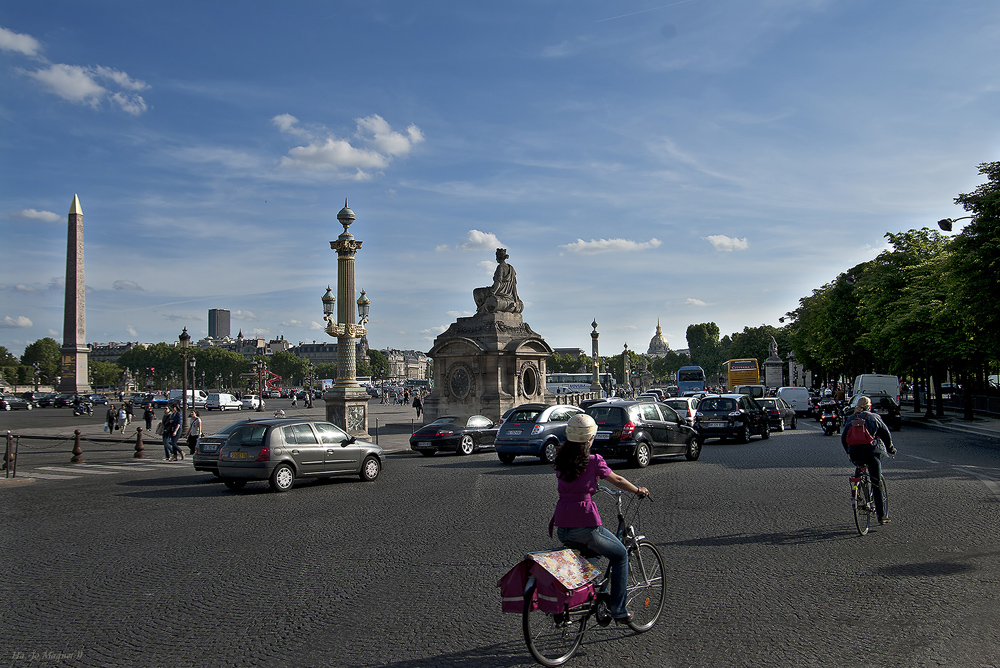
(46,353)
(325,371)
(292,368)
(706,351)
(379,364)
(104,373)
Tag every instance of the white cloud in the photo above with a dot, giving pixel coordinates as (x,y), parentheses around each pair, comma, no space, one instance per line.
(459,314)
(595,246)
(249,316)
(479,241)
(179,316)
(293,323)
(131,331)
(329,153)
(315,326)
(80,85)
(21,287)
(19,43)
(126,285)
(34,214)
(728,244)
(19,321)
(433,332)
(691,301)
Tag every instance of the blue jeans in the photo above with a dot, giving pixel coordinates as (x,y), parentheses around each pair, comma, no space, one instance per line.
(603,542)
(874,463)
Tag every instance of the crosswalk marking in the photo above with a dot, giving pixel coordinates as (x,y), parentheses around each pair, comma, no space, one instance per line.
(67,469)
(47,476)
(83,469)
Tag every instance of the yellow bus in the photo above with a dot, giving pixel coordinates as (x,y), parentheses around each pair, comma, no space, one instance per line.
(742,372)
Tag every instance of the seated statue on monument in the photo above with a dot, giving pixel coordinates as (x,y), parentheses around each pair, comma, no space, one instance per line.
(501,297)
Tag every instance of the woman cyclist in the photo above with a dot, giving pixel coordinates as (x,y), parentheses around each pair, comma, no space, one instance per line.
(870,455)
(576,515)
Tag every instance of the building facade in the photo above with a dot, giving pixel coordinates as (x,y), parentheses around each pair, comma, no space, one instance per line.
(218,323)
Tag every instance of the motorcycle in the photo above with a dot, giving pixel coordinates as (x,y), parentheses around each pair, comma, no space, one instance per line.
(83,409)
(830,418)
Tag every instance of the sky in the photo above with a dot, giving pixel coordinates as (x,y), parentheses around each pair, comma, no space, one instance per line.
(642,162)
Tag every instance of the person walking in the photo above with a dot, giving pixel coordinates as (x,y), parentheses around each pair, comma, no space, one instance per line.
(417,404)
(295,397)
(110,418)
(194,431)
(122,419)
(148,414)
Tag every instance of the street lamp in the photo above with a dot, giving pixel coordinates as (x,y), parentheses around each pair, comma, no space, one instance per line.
(347,403)
(185,340)
(192,364)
(261,370)
(946,223)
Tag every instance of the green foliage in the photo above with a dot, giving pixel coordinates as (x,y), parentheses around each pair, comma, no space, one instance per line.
(292,368)
(104,373)
(222,368)
(706,349)
(379,364)
(566,363)
(325,371)
(46,353)
(362,367)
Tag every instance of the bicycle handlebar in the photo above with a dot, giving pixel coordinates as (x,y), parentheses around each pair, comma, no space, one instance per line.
(621,492)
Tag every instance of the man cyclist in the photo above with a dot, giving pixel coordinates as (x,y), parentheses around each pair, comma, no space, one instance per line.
(870,455)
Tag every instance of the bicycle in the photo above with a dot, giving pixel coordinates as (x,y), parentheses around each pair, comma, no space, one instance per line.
(863,499)
(553,639)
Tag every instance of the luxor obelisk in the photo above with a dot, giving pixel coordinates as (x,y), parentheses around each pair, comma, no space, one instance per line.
(74,374)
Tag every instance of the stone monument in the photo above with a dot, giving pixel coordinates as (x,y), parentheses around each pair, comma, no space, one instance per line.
(773,367)
(491,361)
(74,373)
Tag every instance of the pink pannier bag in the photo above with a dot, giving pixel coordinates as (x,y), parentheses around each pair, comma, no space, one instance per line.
(564,580)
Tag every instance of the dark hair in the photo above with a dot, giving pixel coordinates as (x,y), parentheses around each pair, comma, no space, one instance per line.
(572,460)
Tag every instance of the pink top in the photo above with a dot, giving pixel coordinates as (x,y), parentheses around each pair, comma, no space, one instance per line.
(576,507)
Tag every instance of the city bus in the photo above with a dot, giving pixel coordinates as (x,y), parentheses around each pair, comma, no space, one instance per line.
(742,372)
(568,383)
(690,378)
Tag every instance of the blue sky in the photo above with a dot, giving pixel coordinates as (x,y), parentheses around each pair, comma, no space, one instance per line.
(692,161)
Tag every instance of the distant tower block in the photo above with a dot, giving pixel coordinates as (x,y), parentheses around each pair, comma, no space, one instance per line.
(218,323)
(73,372)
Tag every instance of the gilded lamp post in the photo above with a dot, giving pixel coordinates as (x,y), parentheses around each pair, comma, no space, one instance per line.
(346,401)
(595,382)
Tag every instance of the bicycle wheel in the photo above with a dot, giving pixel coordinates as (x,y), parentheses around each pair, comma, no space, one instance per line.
(861,499)
(551,639)
(885,496)
(646,586)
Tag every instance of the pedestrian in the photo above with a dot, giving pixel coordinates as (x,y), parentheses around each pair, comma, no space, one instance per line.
(110,418)
(148,414)
(122,419)
(294,399)
(417,404)
(171,422)
(129,415)
(194,432)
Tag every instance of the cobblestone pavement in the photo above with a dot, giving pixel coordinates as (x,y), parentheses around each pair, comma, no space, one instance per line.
(168,568)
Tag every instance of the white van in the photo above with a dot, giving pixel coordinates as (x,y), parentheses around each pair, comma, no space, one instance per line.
(195,398)
(796,397)
(876,383)
(755,391)
(222,402)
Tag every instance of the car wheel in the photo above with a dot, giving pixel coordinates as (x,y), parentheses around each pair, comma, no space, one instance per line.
(282,478)
(234,484)
(795,422)
(428,453)
(745,434)
(466,446)
(642,455)
(506,457)
(693,449)
(781,424)
(765,432)
(217,474)
(370,468)
(549,452)
(28,407)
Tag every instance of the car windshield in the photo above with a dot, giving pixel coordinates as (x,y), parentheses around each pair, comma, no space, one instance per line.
(528,415)
(771,403)
(251,435)
(718,404)
(448,419)
(605,414)
(681,404)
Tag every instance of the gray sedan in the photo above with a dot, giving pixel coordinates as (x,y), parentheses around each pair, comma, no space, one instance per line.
(281,450)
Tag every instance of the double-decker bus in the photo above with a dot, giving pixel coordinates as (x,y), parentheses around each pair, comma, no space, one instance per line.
(690,378)
(742,372)
(567,383)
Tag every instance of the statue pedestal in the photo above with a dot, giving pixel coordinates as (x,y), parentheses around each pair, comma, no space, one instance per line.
(348,409)
(484,365)
(773,372)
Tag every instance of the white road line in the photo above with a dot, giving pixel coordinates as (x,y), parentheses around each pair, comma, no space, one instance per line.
(990,483)
(48,476)
(929,461)
(67,469)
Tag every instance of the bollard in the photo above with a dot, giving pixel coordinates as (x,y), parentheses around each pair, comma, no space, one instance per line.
(8,457)
(77,450)
(139,450)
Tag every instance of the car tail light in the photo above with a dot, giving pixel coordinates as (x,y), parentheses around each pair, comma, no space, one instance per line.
(445,433)
(628,429)
(536,430)
(265,454)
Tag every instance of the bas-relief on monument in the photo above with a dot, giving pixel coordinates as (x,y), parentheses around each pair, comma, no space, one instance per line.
(491,361)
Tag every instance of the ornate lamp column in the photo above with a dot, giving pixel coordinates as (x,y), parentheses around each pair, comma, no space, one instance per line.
(595,381)
(185,340)
(346,401)
(626,376)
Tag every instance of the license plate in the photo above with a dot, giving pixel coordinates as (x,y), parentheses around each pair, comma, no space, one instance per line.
(716,425)
(602,436)
(209,447)
(423,444)
(514,432)
(237,455)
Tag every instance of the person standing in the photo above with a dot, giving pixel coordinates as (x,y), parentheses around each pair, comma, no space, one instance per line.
(194,432)
(148,414)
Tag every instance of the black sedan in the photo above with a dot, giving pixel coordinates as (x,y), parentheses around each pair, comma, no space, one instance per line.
(11,402)
(452,432)
(779,413)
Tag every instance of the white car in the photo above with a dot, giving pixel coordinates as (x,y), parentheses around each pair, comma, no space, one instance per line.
(686,407)
(251,402)
(220,401)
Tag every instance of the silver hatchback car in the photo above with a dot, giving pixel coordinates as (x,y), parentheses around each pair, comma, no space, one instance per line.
(282,450)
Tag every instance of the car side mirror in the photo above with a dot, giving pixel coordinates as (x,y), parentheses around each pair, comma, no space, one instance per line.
(350,440)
